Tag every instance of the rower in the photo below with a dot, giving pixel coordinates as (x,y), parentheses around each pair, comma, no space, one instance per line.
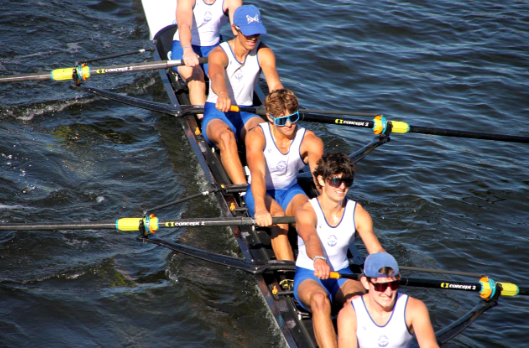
(275,152)
(383,316)
(326,226)
(234,69)
(199,23)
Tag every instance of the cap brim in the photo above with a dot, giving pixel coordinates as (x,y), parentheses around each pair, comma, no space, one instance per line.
(253,30)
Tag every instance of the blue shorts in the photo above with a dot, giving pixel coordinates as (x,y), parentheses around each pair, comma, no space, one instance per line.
(235,120)
(331,286)
(283,197)
(177,53)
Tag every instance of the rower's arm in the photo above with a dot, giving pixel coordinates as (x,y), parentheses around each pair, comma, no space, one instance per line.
(418,319)
(347,327)
(184,19)
(267,61)
(231,6)
(255,144)
(217,63)
(306,221)
(312,146)
(364,227)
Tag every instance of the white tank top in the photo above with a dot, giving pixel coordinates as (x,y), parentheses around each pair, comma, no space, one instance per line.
(241,77)
(334,240)
(207,21)
(281,169)
(394,334)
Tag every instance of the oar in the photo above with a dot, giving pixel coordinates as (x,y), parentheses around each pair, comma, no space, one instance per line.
(223,260)
(486,286)
(380,125)
(83,72)
(221,188)
(149,224)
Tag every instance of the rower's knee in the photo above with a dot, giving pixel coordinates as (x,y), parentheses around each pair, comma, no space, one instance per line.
(320,302)
(226,140)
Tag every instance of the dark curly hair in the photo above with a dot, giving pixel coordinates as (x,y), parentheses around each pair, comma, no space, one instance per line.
(332,164)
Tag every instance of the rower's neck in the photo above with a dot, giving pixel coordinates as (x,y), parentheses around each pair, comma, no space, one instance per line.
(238,50)
(329,205)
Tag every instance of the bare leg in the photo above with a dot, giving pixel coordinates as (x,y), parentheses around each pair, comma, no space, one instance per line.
(315,298)
(194,78)
(349,290)
(222,136)
(251,123)
(280,242)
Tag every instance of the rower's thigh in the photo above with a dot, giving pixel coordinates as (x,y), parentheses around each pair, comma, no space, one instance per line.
(295,203)
(309,288)
(216,128)
(250,121)
(273,207)
(348,290)
(191,74)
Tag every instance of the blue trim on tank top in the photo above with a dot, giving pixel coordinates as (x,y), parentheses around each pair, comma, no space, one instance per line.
(392,312)
(344,210)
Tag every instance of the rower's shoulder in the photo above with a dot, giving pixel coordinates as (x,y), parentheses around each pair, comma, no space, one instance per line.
(311,137)
(415,305)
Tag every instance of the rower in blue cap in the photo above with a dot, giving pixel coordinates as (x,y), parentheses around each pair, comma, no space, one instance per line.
(383,317)
(234,69)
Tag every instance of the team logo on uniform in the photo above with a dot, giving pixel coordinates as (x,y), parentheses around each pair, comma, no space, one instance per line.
(207,16)
(281,166)
(332,240)
(383,341)
(238,75)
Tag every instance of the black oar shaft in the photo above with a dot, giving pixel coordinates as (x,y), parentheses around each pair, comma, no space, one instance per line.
(133,224)
(68,73)
(59,226)
(465,134)
(235,221)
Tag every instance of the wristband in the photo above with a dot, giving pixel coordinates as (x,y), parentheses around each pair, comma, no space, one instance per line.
(319,257)
(187,47)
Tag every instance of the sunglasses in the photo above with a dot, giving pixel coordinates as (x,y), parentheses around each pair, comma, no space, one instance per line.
(381,287)
(337,182)
(282,121)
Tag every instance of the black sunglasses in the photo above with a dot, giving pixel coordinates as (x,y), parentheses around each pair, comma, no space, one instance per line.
(337,182)
(381,287)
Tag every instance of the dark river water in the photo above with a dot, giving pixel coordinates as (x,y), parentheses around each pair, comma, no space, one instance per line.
(437,202)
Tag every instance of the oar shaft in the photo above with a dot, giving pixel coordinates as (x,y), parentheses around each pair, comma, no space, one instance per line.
(58,226)
(151,223)
(164,64)
(465,134)
(68,73)
(485,286)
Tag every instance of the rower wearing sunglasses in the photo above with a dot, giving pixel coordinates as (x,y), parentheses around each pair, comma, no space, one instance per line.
(275,152)
(326,226)
(384,317)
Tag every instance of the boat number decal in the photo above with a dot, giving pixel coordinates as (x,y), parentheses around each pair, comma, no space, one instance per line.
(458,286)
(354,123)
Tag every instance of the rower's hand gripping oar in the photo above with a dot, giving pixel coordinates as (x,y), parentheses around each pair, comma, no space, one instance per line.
(82,72)
(380,125)
(147,225)
(486,287)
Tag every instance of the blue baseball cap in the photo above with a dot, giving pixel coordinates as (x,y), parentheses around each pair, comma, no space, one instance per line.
(248,19)
(376,261)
